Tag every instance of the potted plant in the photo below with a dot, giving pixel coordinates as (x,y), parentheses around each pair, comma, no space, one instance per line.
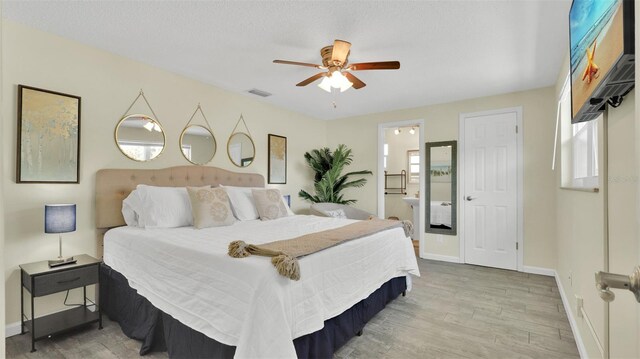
(329,181)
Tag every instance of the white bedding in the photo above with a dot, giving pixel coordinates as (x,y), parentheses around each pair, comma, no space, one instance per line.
(244,302)
(440,215)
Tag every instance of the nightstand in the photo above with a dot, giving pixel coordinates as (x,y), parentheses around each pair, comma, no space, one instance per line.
(40,280)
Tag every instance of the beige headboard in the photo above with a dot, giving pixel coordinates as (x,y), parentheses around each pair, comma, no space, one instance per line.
(114,185)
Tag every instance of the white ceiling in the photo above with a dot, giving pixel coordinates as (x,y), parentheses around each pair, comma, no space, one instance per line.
(448,50)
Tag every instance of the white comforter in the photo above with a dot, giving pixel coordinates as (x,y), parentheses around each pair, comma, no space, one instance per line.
(244,302)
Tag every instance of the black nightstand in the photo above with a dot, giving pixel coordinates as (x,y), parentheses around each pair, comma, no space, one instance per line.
(40,280)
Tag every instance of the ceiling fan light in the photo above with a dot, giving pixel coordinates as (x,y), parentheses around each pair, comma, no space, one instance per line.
(346,85)
(325,84)
(338,79)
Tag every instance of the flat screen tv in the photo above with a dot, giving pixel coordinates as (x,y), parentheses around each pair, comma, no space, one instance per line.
(602,55)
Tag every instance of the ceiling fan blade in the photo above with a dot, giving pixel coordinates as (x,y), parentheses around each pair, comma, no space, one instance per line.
(340,51)
(311,79)
(357,84)
(285,62)
(385,65)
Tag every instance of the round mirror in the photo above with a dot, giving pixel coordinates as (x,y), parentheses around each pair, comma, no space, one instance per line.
(140,137)
(197,144)
(241,149)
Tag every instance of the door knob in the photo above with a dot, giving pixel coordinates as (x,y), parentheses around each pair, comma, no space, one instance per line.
(469,198)
(605,281)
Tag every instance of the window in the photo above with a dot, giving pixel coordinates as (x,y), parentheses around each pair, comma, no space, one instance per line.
(142,151)
(585,154)
(386,154)
(579,146)
(414,166)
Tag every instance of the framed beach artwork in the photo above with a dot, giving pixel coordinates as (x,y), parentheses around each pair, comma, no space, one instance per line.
(441,172)
(48,137)
(277,159)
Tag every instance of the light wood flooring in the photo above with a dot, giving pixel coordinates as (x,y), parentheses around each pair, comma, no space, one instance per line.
(454,311)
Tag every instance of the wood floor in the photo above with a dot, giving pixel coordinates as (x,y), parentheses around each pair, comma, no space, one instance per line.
(454,311)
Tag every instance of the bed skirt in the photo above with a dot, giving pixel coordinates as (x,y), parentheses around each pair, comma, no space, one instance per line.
(158,331)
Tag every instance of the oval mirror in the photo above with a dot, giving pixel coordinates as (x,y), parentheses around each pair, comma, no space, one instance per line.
(140,137)
(197,144)
(241,149)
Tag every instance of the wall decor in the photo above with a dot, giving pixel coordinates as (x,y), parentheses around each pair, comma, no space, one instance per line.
(140,137)
(240,147)
(48,136)
(277,173)
(197,143)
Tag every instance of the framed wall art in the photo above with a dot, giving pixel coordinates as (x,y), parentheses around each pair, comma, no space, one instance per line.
(277,159)
(48,137)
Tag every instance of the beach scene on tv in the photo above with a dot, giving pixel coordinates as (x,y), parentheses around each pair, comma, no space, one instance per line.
(596,44)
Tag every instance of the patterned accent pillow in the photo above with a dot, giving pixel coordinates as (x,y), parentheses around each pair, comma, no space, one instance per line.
(336,213)
(210,207)
(269,203)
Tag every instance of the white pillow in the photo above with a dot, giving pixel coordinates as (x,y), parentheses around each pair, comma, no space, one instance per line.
(242,203)
(164,207)
(131,208)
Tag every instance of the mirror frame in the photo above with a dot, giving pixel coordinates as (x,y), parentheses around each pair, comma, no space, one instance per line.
(252,144)
(454,186)
(215,145)
(164,137)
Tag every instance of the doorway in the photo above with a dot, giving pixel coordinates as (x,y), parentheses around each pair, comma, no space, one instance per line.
(401,174)
(491,217)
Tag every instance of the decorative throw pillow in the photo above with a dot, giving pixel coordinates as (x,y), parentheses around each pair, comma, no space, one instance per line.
(269,203)
(210,207)
(336,213)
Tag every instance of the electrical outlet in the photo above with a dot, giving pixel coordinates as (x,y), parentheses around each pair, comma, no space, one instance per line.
(570,278)
(579,305)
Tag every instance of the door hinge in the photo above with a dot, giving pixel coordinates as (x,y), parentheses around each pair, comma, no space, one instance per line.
(516,128)
(517,246)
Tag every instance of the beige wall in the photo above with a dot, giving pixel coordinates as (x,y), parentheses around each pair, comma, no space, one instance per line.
(581,235)
(2,306)
(441,124)
(107,84)
(396,162)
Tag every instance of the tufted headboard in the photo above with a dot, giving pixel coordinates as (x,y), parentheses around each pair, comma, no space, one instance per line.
(114,185)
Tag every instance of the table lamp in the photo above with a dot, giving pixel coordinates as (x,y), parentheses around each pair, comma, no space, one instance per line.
(60,218)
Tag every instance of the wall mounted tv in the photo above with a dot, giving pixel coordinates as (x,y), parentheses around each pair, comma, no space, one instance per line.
(602,55)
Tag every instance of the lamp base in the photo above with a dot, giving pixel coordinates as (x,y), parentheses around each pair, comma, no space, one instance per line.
(61,262)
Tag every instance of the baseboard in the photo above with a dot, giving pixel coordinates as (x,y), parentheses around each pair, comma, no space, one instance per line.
(12,329)
(539,270)
(582,350)
(442,258)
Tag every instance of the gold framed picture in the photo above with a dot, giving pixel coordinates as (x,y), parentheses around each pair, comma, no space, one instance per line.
(48,137)
(277,159)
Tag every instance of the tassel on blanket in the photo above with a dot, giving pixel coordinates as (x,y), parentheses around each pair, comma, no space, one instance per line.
(408,228)
(287,266)
(238,249)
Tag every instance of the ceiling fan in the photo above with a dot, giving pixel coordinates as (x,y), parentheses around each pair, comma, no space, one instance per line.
(335,59)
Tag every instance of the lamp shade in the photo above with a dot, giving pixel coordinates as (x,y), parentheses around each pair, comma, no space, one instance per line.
(59,218)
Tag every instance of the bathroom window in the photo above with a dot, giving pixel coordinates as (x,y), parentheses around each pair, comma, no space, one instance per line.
(413,157)
(386,154)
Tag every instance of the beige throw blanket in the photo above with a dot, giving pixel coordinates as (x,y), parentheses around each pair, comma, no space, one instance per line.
(286,252)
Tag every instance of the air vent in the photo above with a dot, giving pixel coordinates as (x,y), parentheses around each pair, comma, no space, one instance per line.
(259,93)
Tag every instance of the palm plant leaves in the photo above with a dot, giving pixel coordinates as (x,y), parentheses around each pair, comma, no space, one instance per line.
(328,178)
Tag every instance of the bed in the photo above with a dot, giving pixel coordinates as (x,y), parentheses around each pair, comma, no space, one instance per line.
(441,214)
(177,289)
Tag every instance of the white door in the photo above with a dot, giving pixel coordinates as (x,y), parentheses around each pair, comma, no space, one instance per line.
(490,193)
